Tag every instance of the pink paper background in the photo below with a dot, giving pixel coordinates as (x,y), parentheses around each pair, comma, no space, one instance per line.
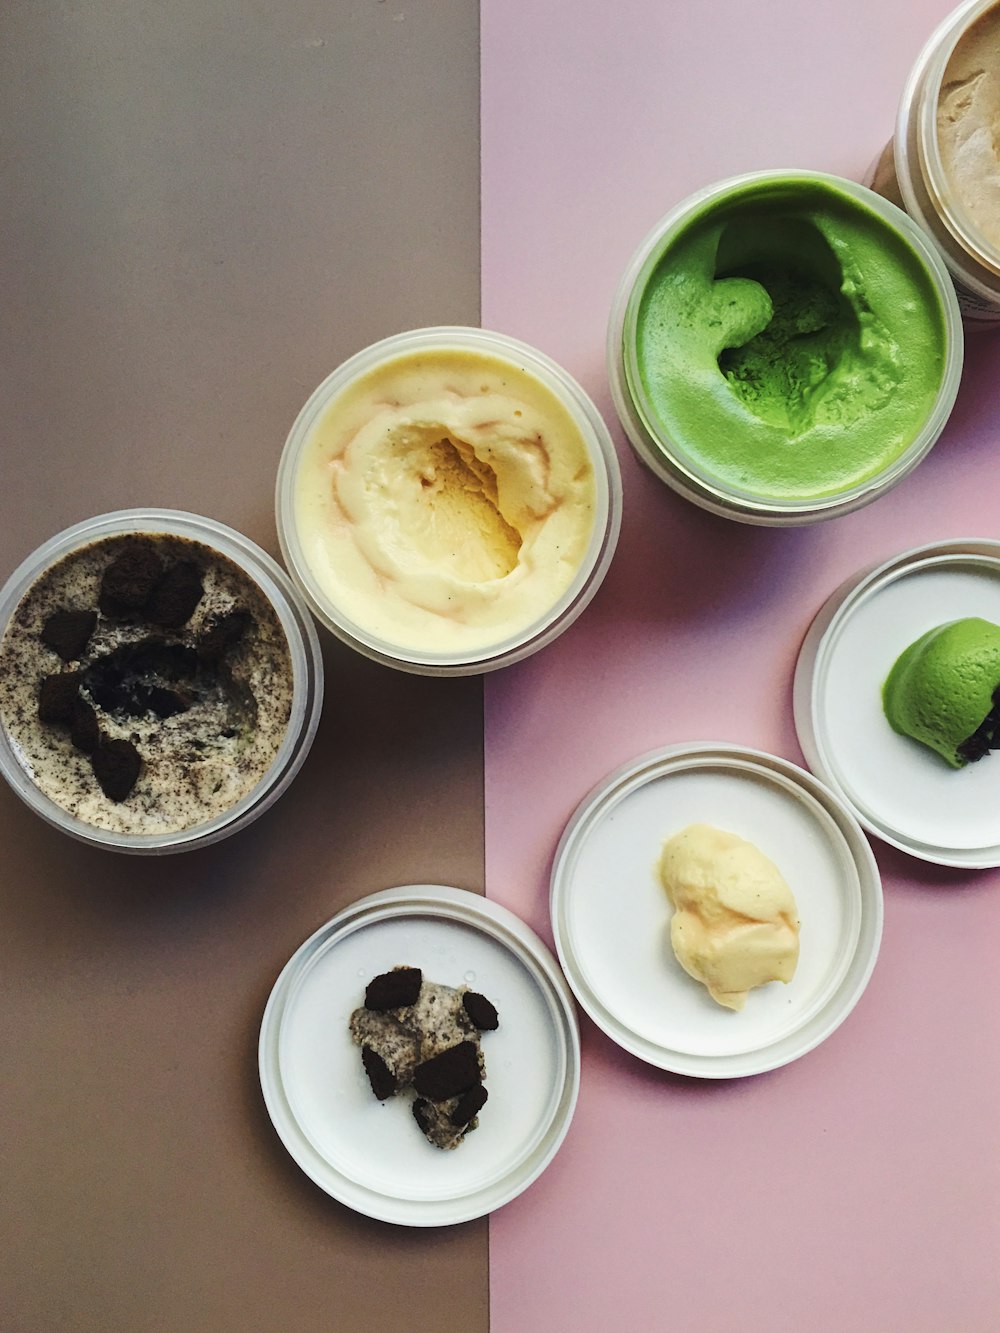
(857,1189)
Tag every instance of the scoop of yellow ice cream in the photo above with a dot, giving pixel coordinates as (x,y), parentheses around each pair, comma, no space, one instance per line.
(735,924)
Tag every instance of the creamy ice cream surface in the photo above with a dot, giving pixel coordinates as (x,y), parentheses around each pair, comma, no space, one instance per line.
(943,690)
(968,124)
(445,500)
(735,923)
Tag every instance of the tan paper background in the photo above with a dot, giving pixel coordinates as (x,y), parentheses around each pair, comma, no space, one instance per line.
(208,204)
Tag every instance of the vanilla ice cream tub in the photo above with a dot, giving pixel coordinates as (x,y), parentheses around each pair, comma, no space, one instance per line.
(448,501)
(943,164)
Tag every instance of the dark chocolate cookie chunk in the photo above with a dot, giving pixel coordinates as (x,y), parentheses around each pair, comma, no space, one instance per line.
(177,593)
(394,990)
(116,766)
(84,731)
(380,1076)
(481,1013)
(129,580)
(469,1105)
(224,633)
(448,1074)
(57,696)
(422,1114)
(68,632)
(976,746)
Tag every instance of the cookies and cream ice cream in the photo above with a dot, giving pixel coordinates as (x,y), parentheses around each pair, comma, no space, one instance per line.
(968,124)
(787,344)
(145,683)
(444,500)
(424,1036)
(735,924)
(943,690)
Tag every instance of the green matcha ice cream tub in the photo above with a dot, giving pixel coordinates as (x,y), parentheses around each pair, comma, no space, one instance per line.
(894,700)
(784,347)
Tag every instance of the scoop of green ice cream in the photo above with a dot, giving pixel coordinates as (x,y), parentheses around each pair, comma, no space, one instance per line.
(940,690)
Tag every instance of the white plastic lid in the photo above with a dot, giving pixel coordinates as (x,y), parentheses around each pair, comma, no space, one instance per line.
(371,1155)
(898,788)
(610,913)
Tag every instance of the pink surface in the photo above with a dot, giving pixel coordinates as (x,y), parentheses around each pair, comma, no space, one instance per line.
(857,1189)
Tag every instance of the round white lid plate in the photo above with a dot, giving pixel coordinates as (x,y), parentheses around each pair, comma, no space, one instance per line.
(610,912)
(371,1155)
(899,789)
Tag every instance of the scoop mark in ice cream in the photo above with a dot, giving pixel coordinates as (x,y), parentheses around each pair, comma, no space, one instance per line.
(788,342)
(421,1035)
(469,536)
(735,924)
(944,690)
(808,335)
(445,500)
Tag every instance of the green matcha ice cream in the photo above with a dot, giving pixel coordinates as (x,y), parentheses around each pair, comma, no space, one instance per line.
(789,342)
(941,690)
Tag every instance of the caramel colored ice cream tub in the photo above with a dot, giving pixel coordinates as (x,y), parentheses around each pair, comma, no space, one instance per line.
(943,165)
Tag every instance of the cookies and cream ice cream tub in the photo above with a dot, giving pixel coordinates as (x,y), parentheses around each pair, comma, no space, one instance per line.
(160,681)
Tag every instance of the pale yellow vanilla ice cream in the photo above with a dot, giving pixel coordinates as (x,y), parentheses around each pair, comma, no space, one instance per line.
(445,500)
(735,924)
(968,124)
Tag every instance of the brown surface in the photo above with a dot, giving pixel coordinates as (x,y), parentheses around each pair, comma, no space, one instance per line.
(884,179)
(209,205)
